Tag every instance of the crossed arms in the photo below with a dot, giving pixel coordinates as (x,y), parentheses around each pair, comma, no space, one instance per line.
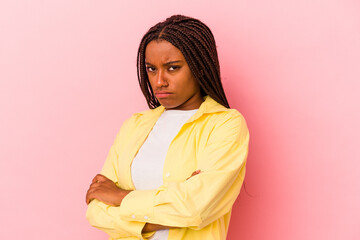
(193,203)
(106,191)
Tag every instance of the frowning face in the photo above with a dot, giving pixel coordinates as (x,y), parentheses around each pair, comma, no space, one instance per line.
(170,77)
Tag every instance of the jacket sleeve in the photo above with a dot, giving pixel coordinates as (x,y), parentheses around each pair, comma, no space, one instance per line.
(202,198)
(105,217)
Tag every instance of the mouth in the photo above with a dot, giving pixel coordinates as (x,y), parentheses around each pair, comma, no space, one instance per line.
(162,94)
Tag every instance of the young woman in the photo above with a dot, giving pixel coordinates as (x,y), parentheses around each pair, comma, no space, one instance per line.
(174,171)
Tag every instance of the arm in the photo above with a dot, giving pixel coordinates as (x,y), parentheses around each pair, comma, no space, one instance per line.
(106,191)
(104,196)
(205,197)
(104,216)
(196,202)
(149,227)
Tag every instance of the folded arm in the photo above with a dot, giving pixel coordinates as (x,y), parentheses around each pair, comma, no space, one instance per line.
(106,191)
(194,203)
(202,199)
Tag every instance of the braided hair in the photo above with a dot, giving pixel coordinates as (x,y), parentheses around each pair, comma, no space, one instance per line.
(196,42)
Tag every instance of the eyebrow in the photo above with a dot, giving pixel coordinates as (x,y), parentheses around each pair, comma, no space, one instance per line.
(168,63)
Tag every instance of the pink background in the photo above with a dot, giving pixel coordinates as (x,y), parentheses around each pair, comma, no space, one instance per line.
(68,80)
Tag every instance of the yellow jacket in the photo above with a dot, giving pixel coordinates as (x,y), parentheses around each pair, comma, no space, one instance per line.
(215,140)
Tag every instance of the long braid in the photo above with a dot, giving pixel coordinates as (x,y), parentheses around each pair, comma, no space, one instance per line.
(196,42)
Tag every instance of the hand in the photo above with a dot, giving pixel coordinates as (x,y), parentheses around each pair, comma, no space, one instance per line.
(194,173)
(105,190)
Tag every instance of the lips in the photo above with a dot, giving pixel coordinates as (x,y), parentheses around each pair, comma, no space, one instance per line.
(162,94)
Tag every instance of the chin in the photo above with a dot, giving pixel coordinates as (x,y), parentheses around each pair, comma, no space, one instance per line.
(168,104)
(169,107)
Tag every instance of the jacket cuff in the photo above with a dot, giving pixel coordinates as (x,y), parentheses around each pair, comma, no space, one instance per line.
(106,218)
(138,206)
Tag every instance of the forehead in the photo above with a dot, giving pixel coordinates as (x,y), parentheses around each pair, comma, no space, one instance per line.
(162,51)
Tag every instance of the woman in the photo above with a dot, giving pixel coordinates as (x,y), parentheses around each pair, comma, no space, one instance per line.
(174,171)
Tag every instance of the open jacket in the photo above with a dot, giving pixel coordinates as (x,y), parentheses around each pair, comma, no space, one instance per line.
(214,140)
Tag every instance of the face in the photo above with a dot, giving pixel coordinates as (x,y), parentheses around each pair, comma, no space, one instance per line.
(170,77)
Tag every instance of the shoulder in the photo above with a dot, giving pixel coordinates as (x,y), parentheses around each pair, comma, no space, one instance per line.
(132,124)
(146,115)
(224,117)
(231,115)
(220,114)
(229,120)
(139,117)
(219,124)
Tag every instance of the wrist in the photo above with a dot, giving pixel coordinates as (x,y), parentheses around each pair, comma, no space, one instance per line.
(122,195)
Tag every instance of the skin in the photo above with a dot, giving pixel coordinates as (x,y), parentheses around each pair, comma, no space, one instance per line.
(176,88)
(105,190)
(170,77)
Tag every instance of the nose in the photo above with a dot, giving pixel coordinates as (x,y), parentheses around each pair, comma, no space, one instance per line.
(161,80)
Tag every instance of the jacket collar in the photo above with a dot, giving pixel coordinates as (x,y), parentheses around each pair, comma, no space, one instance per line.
(208,106)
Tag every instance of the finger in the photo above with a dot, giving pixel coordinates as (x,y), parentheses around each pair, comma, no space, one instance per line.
(96,178)
(194,173)
(88,197)
(91,195)
(94,185)
(99,178)
(91,191)
(190,176)
(88,200)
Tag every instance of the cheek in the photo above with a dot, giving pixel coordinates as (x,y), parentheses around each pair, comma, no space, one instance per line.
(192,84)
(151,82)
(190,81)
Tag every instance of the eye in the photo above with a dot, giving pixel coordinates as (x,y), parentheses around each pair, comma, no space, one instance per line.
(173,68)
(150,69)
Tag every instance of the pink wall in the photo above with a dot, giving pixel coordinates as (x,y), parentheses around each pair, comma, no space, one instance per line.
(68,80)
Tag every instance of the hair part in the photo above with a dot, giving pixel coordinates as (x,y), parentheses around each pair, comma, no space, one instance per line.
(196,42)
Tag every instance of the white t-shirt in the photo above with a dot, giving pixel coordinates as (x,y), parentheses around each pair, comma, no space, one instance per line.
(147,166)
